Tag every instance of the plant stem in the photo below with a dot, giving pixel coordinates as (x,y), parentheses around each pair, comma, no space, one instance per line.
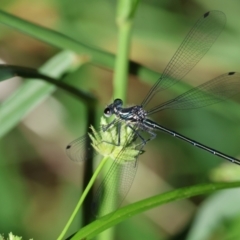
(34,74)
(121,66)
(125,10)
(83,196)
(120,82)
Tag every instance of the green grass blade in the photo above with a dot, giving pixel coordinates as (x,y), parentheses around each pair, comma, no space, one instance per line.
(54,38)
(31,93)
(57,39)
(120,215)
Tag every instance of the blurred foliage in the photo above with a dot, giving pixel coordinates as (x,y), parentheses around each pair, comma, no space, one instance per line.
(40,186)
(10,237)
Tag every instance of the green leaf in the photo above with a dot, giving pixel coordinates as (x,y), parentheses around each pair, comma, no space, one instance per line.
(97,56)
(120,215)
(31,93)
(57,39)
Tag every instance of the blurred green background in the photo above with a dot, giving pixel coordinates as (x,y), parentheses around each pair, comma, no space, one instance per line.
(39,185)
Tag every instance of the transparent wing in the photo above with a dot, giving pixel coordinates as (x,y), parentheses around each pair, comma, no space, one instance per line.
(117,182)
(195,45)
(80,149)
(108,196)
(122,170)
(211,92)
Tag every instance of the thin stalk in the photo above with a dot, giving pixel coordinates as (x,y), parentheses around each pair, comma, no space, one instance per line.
(88,170)
(82,198)
(120,82)
(125,10)
(120,79)
(34,74)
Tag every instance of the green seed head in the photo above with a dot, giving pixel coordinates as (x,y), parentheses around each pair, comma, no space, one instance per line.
(106,142)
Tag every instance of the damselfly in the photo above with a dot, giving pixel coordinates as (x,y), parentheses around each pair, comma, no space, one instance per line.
(136,118)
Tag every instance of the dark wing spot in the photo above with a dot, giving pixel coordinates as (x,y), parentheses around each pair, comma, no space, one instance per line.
(68,146)
(206,14)
(231,73)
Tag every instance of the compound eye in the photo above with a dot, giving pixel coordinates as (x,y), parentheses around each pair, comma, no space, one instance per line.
(118,102)
(107,112)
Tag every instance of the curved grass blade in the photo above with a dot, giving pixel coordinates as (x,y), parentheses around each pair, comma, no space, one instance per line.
(31,93)
(131,210)
(9,71)
(54,38)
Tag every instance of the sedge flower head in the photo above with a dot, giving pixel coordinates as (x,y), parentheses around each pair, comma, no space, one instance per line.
(107,142)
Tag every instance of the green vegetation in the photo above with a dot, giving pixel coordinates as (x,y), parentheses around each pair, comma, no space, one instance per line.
(81,50)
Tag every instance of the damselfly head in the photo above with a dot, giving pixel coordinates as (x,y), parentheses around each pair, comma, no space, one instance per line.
(109,110)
